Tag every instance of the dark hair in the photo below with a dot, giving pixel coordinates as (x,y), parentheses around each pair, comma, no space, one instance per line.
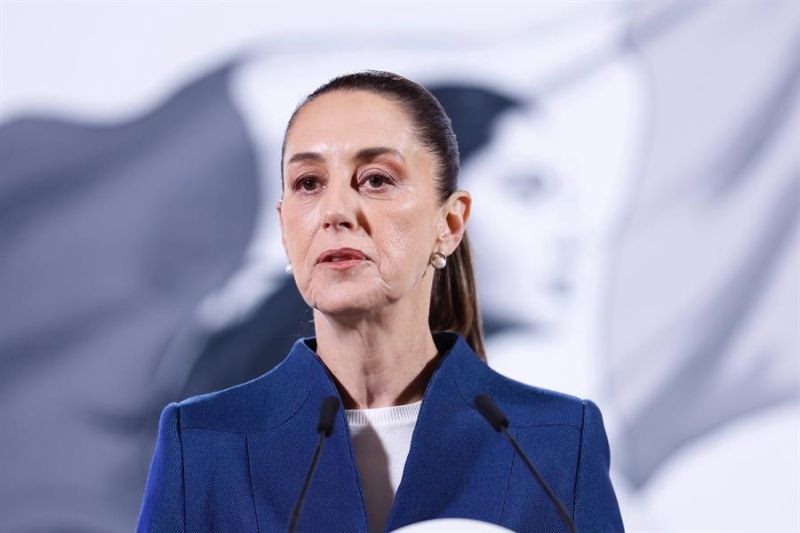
(454,298)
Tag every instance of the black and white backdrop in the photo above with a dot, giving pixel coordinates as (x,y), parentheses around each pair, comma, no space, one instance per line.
(635,173)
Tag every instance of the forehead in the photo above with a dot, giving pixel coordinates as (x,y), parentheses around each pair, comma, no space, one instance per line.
(347,121)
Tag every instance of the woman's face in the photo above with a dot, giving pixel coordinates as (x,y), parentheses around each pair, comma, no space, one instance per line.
(355,176)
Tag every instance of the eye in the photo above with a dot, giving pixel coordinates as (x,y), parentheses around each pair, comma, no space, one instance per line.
(376,181)
(306,183)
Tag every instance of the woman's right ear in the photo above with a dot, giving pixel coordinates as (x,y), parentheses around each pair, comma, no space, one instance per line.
(280,222)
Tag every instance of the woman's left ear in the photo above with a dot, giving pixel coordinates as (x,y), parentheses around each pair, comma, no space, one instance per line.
(455,213)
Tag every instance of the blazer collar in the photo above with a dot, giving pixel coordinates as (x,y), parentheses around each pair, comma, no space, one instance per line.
(455,354)
(448,436)
(308,375)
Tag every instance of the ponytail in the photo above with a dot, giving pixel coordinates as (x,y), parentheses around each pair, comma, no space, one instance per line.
(454,299)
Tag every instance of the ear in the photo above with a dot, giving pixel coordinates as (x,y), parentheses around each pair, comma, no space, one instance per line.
(280,222)
(455,213)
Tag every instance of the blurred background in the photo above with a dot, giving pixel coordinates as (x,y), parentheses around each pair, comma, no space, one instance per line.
(635,173)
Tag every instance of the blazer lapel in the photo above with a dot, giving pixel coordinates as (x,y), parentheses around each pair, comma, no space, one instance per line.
(280,457)
(457,466)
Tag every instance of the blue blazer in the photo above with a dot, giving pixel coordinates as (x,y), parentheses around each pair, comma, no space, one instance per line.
(234,460)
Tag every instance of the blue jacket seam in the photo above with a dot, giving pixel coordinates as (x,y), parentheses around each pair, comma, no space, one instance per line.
(250,479)
(579,464)
(508,483)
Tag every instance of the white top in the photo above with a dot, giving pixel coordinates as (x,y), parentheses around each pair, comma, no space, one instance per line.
(381,440)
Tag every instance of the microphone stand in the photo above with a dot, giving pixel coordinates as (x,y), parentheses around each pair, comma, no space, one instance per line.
(327,415)
(499,422)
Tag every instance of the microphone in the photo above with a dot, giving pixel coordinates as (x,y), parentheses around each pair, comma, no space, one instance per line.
(327,415)
(498,420)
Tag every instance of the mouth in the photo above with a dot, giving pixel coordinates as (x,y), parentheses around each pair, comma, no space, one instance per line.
(342,265)
(340,258)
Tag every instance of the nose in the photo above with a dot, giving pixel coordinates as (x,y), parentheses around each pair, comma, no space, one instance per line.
(339,205)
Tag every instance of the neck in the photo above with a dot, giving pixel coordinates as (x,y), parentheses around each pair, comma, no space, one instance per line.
(382,360)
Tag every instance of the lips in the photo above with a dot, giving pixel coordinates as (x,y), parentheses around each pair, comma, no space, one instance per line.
(340,254)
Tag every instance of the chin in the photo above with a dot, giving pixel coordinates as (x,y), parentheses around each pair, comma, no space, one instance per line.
(345,301)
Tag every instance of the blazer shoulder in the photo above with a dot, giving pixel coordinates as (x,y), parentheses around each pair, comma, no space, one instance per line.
(525,405)
(533,406)
(262,403)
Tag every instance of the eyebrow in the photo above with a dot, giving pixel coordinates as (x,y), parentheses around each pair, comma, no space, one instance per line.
(362,155)
(372,153)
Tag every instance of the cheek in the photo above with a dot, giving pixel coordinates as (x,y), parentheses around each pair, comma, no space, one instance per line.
(297,232)
(405,243)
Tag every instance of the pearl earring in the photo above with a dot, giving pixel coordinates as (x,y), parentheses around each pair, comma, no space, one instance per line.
(288,268)
(438,260)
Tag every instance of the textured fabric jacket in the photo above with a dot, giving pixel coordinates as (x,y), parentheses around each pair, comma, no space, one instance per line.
(234,460)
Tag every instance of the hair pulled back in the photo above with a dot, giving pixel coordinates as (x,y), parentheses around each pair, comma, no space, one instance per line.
(454,300)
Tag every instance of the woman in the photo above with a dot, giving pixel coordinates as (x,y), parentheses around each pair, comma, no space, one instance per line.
(374,226)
